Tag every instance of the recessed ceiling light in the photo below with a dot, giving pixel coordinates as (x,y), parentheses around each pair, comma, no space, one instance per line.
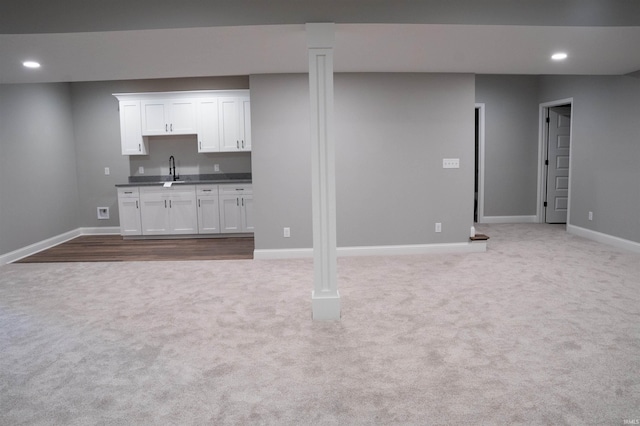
(560,56)
(31,64)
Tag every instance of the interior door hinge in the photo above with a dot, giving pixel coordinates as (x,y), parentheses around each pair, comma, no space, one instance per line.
(548,119)
(545,204)
(546,162)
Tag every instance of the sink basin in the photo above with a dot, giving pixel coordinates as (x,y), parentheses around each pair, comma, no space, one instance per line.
(167,184)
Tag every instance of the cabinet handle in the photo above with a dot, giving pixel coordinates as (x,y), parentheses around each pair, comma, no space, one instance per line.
(238,202)
(165,204)
(206,190)
(169,203)
(238,144)
(139,148)
(200,145)
(243,202)
(137,204)
(128,192)
(242,144)
(165,128)
(198,203)
(171,127)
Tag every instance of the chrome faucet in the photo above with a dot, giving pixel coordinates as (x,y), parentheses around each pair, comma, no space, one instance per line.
(172,168)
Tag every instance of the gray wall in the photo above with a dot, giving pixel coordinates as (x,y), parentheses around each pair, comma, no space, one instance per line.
(281,160)
(392,131)
(97,132)
(38,183)
(605,155)
(511,143)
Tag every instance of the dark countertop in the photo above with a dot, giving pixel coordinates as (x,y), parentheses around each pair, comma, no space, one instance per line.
(214,178)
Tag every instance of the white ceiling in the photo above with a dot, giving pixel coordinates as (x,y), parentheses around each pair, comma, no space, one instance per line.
(280,48)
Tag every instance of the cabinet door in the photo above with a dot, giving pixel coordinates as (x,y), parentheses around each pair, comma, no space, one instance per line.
(229,124)
(154,212)
(154,117)
(182,212)
(247,213)
(208,215)
(129,212)
(230,216)
(131,129)
(182,117)
(245,123)
(208,128)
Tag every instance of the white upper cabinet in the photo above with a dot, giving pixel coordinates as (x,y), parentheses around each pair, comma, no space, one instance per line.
(221,119)
(130,129)
(169,117)
(235,123)
(208,127)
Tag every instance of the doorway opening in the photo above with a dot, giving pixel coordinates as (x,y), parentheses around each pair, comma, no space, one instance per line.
(478,200)
(554,175)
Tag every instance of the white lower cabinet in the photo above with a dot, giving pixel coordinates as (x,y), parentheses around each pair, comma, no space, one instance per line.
(169,210)
(186,209)
(129,211)
(208,209)
(236,208)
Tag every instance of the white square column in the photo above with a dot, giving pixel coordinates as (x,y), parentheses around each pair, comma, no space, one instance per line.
(325,299)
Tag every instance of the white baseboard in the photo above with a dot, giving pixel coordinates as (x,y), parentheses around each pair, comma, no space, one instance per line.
(38,247)
(620,243)
(54,241)
(266,254)
(471,247)
(102,230)
(509,219)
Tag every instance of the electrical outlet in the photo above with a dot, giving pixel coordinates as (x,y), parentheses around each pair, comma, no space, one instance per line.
(287,232)
(107,172)
(438,227)
(590,215)
(450,163)
(216,167)
(141,170)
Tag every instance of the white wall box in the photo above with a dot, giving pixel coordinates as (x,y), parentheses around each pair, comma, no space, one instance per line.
(236,208)
(221,119)
(129,211)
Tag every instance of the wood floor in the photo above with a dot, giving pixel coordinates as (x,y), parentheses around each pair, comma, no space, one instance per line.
(112,248)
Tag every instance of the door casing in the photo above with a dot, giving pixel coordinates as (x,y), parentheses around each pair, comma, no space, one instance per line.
(542,155)
(480,107)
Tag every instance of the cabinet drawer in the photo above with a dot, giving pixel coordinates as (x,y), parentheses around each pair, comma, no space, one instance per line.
(202,190)
(236,189)
(128,192)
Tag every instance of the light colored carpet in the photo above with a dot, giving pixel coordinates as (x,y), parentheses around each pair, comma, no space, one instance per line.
(544,328)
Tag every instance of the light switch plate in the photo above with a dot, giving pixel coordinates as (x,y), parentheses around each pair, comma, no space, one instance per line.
(450,163)
(141,170)
(107,172)
(216,167)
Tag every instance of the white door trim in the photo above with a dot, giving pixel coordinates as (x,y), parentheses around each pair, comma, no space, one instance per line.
(542,154)
(481,108)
